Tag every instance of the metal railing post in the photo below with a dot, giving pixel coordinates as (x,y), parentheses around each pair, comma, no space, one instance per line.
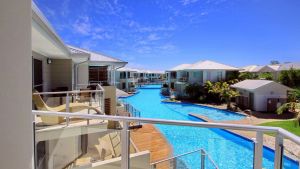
(278,151)
(125,159)
(67,108)
(202,159)
(258,150)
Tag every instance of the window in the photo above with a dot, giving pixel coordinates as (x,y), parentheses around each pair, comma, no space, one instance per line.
(122,75)
(98,74)
(219,76)
(195,74)
(208,76)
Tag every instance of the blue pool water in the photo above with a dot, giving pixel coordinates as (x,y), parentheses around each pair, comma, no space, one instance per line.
(225,148)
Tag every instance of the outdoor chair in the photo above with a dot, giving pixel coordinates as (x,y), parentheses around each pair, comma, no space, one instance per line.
(73,107)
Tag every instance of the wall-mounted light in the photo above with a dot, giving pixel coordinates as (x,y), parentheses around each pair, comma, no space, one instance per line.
(49,61)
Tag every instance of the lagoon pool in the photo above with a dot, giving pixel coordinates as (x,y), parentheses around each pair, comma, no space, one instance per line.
(228,150)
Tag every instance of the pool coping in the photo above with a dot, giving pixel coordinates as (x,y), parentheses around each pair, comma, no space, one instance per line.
(129,95)
(210,107)
(206,119)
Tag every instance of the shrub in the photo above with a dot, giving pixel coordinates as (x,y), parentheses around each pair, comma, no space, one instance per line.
(165,85)
(246,75)
(266,75)
(194,91)
(165,91)
(290,77)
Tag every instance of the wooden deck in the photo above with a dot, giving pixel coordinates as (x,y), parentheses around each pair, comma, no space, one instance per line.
(150,138)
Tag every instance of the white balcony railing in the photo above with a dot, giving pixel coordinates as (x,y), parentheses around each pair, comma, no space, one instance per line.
(89,96)
(280,134)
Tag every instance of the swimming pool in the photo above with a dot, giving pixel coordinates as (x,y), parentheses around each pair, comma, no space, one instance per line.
(226,149)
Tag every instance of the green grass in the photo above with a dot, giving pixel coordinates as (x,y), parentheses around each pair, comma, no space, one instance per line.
(289,125)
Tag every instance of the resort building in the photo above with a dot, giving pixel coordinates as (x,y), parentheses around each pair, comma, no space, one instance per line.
(150,76)
(257,70)
(273,69)
(261,95)
(200,72)
(52,62)
(51,120)
(70,79)
(289,65)
(126,79)
(99,68)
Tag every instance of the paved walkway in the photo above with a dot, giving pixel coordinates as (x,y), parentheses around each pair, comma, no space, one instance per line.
(291,149)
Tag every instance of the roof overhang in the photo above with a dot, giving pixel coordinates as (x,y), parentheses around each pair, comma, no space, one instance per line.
(79,58)
(44,39)
(116,65)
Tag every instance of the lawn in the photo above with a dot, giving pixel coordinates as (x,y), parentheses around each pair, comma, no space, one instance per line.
(289,125)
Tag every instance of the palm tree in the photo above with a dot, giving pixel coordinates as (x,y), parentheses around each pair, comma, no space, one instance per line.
(293,105)
(224,90)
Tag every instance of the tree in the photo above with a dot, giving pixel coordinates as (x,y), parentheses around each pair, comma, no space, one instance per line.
(224,90)
(290,77)
(246,75)
(274,62)
(193,90)
(292,105)
(266,75)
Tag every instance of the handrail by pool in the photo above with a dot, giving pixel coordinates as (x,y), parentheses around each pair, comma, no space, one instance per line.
(258,142)
(203,152)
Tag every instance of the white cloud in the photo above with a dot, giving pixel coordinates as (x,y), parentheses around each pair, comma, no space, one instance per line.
(65,8)
(167,47)
(83,26)
(153,37)
(204,13)
(187,2)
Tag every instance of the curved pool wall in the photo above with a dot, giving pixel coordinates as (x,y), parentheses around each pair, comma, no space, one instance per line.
(227,149)
(211,113)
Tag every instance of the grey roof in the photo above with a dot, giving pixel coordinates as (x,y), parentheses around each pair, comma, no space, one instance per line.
(251,84)
(257,69)
(210,65)
(97,57)
(249,68)
(73,50)
(254,84)
(287,66)
(180,67)
(127,69)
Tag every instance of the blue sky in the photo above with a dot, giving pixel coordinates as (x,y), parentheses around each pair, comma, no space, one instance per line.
(159,34)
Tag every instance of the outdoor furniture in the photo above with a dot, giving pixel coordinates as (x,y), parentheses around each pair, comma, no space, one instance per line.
(73,107)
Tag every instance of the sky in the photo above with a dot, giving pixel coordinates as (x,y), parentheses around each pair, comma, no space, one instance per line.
(160,34)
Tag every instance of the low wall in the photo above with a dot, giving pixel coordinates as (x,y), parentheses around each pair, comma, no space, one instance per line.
(139,160)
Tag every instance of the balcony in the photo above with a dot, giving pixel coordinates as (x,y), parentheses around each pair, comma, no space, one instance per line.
(183,79)
(110,142)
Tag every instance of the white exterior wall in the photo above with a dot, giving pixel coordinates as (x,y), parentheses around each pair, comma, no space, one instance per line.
(57,74)
(16,95)
(61,73)
(83,73)
(140,160)
(63,151)
(212,75)
(195,76)
(262,94)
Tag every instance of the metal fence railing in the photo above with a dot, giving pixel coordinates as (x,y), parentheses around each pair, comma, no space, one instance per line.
(82,98)
(174,162)
(280,134)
